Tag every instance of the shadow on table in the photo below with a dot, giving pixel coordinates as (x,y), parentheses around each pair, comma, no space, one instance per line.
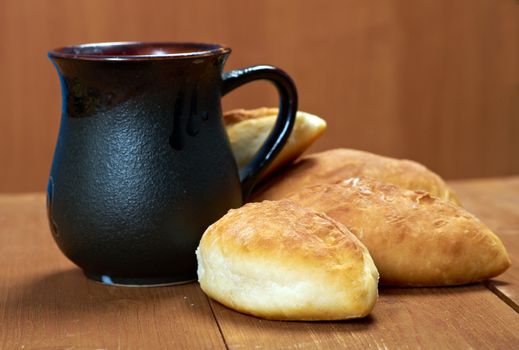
(69,294)
(497,283)
(227,317)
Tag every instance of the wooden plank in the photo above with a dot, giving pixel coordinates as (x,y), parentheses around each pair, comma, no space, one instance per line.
(46,302)
(434,318)
(496,202)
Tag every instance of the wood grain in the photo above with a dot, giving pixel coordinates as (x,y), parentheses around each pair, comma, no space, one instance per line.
(434,81)
(496,202)
(433,318)
(47,303)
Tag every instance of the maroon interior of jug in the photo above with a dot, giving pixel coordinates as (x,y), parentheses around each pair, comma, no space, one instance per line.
(137,50)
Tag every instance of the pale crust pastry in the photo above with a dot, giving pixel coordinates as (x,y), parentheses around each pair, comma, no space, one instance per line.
(248,130)
(238,115)
(415,239)
(280,261)
(341,164)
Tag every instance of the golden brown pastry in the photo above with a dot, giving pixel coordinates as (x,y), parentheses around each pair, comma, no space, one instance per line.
(248,130)
(414,238)
(341,164)
(280,261)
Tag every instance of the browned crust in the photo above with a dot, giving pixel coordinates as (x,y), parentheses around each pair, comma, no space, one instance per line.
(339,164)
(277,245)
(415,239)
(273,228)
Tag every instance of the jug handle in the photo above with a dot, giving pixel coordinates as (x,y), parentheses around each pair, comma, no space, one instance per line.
(284,123)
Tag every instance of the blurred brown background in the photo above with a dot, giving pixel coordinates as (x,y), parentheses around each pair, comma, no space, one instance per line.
(435,81)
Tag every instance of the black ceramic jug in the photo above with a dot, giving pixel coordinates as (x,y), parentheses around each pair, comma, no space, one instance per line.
(142,164)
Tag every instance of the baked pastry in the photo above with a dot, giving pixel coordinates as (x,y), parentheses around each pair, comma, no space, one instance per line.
(248,130)
(341,164)
(279,261)
(414,238)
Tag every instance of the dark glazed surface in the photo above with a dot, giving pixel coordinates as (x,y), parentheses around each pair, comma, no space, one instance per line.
(142,165)
(284,123)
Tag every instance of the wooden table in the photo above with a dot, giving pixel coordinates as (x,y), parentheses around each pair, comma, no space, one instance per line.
(46,302)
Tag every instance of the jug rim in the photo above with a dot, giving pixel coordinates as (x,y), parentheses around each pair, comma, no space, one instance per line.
(138,51)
